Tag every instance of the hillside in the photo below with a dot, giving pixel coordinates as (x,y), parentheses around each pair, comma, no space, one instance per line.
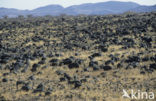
(77,58)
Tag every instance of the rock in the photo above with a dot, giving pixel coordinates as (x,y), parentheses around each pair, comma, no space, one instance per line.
(44,67)
(38,53)
(86,69)
(115,59)
(96,67)
(153,66)
(144,67)
(32,58)
(103,48)
(1,67)
(84,47)
(28,62)
(77,84)
(4,80)
(73,65)
(153,58)
(44,57)
(94,99)
(128,40)
(72,57)
(31,78)
(5,74)
(43,61)
(90,57)
(39,73)
(25,69)
(40,88)
(96,55)
(16,66)
(50,89)
(145,59)
(36,38)
(26,88)
(133,59)
(77,54)
(68,47)
(54,62)
(142,72)
(109,62)
(79,61)
(4,58)
(75,77)
(119,65)
(47,93)
(50,55)
(103,74)
(106,68)
(20,82)
(83,80)
(58,55)
(150,70)
(34,67)
(93,63)
(67,61)
(67,76)
(59,72)
(132,65)
(147,39)
(62,79)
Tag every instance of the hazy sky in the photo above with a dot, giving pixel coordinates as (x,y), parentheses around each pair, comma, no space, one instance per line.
(31,4)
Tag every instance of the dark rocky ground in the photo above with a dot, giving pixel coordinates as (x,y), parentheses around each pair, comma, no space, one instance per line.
(86,58)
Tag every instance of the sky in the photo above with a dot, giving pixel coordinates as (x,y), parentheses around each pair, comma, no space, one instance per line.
(32,4)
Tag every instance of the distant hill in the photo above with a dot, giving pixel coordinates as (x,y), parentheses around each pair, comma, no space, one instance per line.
(112,7)
(102,8)
(144,9)
(12,12)
(47,10)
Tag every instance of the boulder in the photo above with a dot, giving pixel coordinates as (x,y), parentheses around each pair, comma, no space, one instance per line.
(106,68)
(73,65)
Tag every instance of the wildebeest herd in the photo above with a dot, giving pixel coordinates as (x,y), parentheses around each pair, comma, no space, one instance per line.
(86,58)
